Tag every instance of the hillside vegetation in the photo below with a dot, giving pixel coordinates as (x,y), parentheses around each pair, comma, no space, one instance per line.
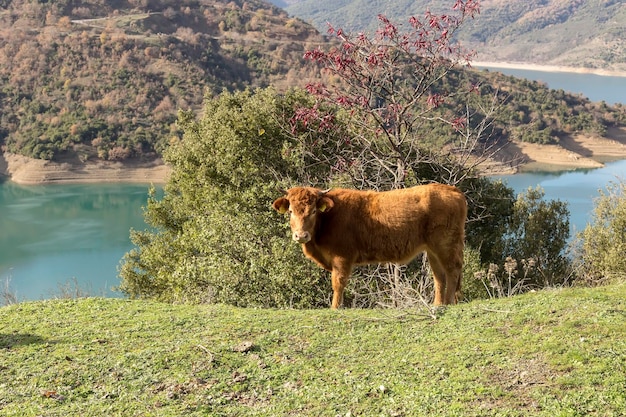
(104,80)
(580,33)
(98,79)
(95,80)
(550,353)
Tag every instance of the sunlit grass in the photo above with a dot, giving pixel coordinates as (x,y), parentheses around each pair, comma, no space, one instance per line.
(559,352)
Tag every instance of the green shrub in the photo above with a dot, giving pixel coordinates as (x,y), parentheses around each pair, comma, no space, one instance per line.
(521,243)
(215,237)
(472,287)
(537,234)
(600,249)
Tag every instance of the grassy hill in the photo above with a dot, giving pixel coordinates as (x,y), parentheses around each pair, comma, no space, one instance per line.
(580,33)
(550,353)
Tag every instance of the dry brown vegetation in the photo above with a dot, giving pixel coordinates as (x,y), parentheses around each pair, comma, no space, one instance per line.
(573,33)
(104,80)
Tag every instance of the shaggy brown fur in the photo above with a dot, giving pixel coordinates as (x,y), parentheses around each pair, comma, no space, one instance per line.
(342,228)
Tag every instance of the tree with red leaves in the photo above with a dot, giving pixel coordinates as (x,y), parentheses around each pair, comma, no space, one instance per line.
(389,86)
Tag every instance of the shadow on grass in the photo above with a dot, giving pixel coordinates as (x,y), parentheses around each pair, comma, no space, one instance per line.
(8,341)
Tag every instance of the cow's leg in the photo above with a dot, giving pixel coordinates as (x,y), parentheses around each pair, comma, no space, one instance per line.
(456,276)
(454,267)
(439,275)
(340,276)
(447,273)
(447,270)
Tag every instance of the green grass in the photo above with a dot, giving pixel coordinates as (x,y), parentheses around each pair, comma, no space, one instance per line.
(550,353)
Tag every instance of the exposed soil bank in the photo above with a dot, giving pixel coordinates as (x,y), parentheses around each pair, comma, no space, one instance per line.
(573,152)
(578,151)
(550,68)
(28,171)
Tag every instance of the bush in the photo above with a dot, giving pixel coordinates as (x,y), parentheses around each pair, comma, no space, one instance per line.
(215,237)
(520,243)
(600,248)
(472,287)
(537,237)
(490,209)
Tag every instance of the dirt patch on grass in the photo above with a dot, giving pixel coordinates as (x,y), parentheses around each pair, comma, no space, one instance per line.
(519,382)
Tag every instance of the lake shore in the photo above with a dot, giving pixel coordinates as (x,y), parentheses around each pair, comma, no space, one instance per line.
(573,152)
(579,151)
(28,171)
(548,68)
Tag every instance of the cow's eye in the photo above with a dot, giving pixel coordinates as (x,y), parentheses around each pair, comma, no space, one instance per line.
(313,211)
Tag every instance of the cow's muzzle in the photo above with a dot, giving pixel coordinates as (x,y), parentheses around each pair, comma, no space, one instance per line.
(301,237)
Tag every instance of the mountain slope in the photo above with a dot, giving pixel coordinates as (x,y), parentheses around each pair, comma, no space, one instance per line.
(90,80)
(104,80)
(578,33)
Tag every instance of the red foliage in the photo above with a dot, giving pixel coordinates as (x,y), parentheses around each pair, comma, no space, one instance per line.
(426,45)
(311,118)
(389,82)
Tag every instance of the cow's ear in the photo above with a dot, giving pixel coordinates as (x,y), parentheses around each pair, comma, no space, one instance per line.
(324,204)
(281,205)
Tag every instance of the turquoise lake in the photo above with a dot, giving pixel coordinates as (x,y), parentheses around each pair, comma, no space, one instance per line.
(57,234)
(611,89)
(54,235)
(577,188)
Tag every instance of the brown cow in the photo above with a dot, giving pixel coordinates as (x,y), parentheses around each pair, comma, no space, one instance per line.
(342,228)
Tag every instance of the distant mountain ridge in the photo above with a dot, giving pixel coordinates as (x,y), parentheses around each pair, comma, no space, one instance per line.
(575,33)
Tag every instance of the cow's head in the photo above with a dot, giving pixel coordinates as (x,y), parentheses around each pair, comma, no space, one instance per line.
(304,205)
